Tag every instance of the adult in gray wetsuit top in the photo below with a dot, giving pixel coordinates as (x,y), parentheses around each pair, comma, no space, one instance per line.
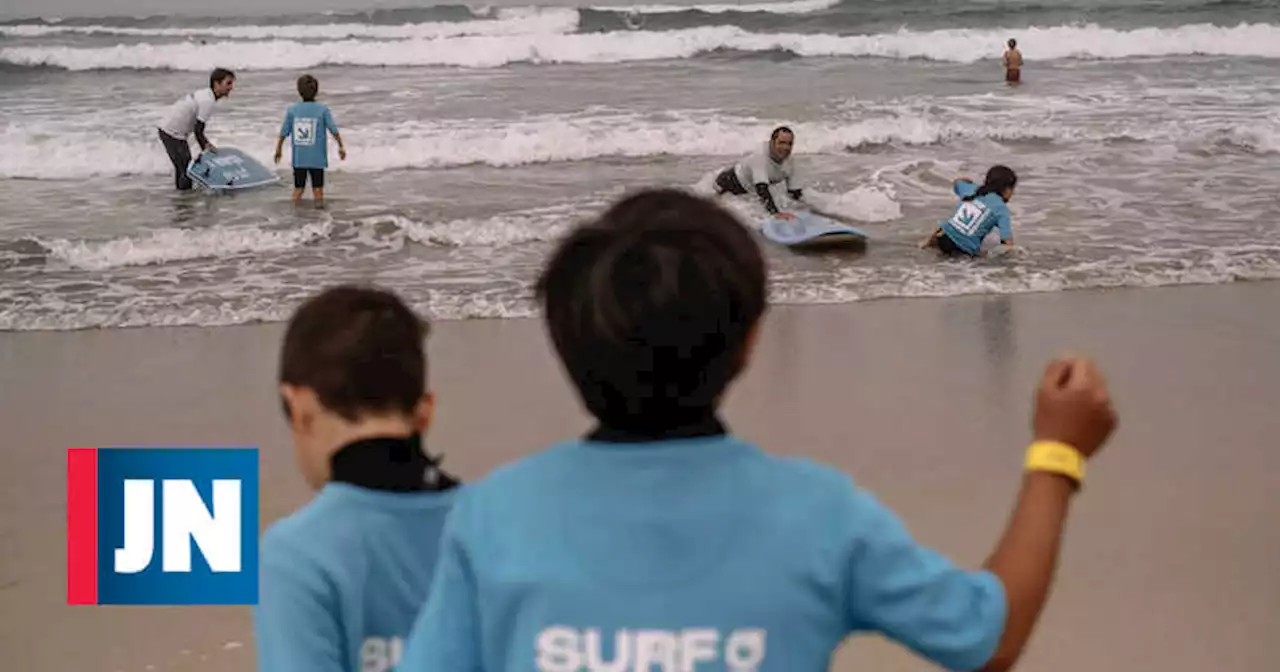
(768,166)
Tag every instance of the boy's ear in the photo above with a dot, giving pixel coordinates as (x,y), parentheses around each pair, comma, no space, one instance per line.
(301,406)
(424,412)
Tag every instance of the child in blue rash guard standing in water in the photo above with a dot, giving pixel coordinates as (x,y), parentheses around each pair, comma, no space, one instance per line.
(663,541)
(308,125)
(343,578)
(981,209)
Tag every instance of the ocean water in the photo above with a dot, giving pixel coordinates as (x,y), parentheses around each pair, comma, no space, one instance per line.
(1146,136)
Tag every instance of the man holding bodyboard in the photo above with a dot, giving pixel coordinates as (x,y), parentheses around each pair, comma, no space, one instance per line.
(189,115)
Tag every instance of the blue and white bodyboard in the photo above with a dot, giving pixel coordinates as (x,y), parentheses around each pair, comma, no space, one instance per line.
(810,230)
(230,168)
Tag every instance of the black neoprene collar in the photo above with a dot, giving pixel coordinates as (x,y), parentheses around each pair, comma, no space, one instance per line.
(395,464)
(706,425)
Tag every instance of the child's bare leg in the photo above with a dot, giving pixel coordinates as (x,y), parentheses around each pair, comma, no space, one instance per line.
(297,194)
(317,194)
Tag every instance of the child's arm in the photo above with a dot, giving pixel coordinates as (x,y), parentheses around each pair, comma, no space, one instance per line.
(1004,222)
(1072,407)
(978,620)
(342,149)
(332,126)
(286,128)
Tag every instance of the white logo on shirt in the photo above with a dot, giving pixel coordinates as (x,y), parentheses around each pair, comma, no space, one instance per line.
(969,217)
(380,654)
(304,131)
(564,649)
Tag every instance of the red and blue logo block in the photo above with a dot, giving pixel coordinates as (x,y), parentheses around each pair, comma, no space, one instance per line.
(162,526)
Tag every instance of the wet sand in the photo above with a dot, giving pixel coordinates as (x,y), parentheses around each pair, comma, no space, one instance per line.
(1169,563)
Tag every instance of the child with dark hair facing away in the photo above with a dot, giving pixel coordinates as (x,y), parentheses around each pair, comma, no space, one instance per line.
(343,577)
(981,209)
(307,125)
(662,540)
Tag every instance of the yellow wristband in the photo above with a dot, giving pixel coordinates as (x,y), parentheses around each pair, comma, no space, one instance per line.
(1058,458)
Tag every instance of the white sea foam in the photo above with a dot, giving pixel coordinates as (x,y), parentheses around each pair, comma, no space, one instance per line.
(852,282)
(487,51)
(552,20)
(793,7)
(170,245)
(66,149)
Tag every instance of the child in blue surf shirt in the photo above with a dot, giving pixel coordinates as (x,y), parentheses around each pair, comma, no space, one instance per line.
(981,209)
(663,541)
(307,125)
(343,577)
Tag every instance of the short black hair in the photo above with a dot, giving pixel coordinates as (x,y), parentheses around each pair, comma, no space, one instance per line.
(218,75)
(361,349)
(308,87)
(650,306)
(779,131)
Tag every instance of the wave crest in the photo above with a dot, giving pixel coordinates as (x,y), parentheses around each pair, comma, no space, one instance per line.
(490,51)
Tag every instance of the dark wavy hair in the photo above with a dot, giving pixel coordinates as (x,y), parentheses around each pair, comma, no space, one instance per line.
(998,179)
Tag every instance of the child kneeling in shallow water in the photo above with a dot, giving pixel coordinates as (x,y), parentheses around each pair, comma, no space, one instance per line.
(981,209)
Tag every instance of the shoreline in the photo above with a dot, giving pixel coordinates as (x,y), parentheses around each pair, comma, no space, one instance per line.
(533,311)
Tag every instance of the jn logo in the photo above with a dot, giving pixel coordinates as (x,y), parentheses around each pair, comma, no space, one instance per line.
(134,517)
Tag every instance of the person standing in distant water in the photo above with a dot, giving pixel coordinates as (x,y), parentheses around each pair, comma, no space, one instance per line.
(190,114)
(308,124)
(767,167)
(1013,63)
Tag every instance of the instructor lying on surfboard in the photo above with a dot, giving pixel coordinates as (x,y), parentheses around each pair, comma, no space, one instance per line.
(771,165)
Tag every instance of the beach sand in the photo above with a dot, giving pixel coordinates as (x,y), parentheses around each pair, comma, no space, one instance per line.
(1172,547)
